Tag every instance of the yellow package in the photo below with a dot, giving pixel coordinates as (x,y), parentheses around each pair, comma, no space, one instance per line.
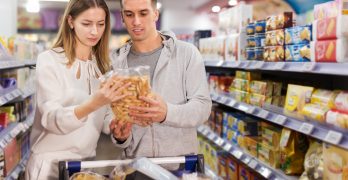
(10,112)
(337,119)
(293,147)
(257,99)
(240,84)
(271,137)
(335,162)
(261,87)
(324,97)
(252,145)
(269,156)
(315,112)
(239,95)
(248,75)
(297,97)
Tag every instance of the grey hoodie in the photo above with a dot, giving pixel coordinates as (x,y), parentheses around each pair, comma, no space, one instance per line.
(180,78)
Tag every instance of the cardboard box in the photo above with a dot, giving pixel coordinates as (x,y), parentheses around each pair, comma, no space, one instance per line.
(329,51)
(330,28)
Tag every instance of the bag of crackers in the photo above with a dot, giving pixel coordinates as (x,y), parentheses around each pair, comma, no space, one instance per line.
(139,79)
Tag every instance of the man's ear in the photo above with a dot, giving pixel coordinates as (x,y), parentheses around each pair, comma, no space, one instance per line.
(122,17)
(70,22)
(156,15)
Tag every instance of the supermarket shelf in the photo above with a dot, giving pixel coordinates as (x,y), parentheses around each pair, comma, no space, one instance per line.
(12,64)
(18,169)
(5,98)
(316,130)
(252,162)
(14,129)
(303,67)
(211,174)
(30,62)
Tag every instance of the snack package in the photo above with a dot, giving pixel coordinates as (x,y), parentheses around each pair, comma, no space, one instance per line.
(251,41)
(244,173)
(329,51)
(87,176)
(261,87)
(275,38)
(231,47)
(341,102)
(252,145)
(293,147)
(250,53)
(250,29)
(296,97)
(313,164)
(140,86)
(337,119)
(279,22)
(257,99)
(260,40)
(330,9)
(330,28)
(259,53)
(232,168)
(271,137)
(315,112)
(241,96)
(248,75)
(335,162)
(298,35)
(260,26)
(273,53)
(242,45)
(298,52)
(269,155)
(324,97)
(225,83)
(240,84)
(222,166)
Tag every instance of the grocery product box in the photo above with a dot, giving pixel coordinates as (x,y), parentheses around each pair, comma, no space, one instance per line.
(330,28)
(296,97)
(258,99)
(212,48)
(341,102)
(269,155)
(232,169)
(271,137)
(280,21)
(274,38)
(222,166)
(298,35)
(242,45)
(244,173)
(337,119)
(231,47)
(315,112)
(335,162)
(252,145)
(324,97)
(329,50)
(248,75)
(12,156)
(261,87)
(233,19)
(330,9)
(238,95)
(240,84)
(298,52)
(273,53)
(248,127)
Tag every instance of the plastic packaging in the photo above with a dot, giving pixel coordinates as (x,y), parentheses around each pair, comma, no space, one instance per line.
(250,29)
(87,176)
(260,40)
(297,97)
(251,41)
(298,35)
(324,97)
(313,165)
(341,102)
(259,53)
(280,21)
(337,119)
(298,53)
(315,112)
(273,53)
(260,26)
(250,53)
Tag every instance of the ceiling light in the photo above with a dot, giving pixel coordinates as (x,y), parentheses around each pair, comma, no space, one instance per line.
(33,6)
(159,5)
(216,9)
(232,2)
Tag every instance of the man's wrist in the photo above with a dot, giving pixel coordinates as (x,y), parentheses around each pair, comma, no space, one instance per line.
(119,141)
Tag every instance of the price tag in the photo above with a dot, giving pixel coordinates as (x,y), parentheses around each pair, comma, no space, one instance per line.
(232,103)
(263,114)
(306,128)
(265,172)
(211,136)
(205,132)
(2,101)
(253,164)
(279,65)
(237,63)
(220,63)
(8,138)
(8,96)
(219,141)
(246,160)
(223,99)
(280,119)
(333,137)
(227,147)
(250,110)
(238,154)
(2,144)
(309,66)
(218,98)
(259,64)
(200,128)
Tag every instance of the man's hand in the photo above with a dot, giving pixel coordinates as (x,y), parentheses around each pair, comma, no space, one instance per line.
(155,113)
(121,130)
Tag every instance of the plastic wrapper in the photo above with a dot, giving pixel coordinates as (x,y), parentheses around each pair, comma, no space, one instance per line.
(296,97)
(261,87)
(250,29)
(329,50)
(341,102)
(250,53)
(275,38)
(139,79)
(259,53)
(330,28)
(240,84)
(335,162)
(313,164)
(273,53)
(251,41)
(260,26)
(298,53)
(248,75)
(330,9)
(279,22)
(315,111)
(324,97)
(293,147)
(269,155)
(298,35)
(87,176)
(337,119)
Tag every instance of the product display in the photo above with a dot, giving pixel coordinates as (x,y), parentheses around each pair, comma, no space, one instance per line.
(273,53)
(298,52)
(330,28)
(279,22)
(298,35)
(335,162)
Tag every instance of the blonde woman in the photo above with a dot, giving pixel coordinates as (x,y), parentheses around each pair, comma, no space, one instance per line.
(72,107)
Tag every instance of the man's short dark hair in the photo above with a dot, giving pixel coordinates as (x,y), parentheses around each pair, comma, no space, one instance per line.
(153,3)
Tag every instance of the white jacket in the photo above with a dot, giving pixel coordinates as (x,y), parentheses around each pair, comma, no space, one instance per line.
(180,78)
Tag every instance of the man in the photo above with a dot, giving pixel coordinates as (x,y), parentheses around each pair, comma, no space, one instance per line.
(178,79)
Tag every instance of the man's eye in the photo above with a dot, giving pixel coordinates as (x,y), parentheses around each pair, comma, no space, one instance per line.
(128,15)
(102,24)
(143,14)
(85,24)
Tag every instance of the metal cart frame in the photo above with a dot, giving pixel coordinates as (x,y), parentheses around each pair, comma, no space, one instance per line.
(193,163)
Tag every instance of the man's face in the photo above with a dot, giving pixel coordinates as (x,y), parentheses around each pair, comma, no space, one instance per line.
(140,18)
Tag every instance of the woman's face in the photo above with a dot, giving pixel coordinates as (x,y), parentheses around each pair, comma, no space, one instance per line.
(89,26)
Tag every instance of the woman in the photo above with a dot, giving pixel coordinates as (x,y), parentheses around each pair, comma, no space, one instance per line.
(72,107)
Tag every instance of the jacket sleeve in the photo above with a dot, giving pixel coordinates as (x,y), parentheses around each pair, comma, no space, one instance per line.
(107,120)
(198,106)
(56,118)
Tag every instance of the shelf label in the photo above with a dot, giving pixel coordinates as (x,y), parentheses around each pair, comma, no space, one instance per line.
(306,128)
(205,132)
(8,96)
(3,144)
(280,119)
(232,103)
(220,63)
(251,110)
(246,160)
(200,128)
(219,141)
(238,154)
(236,64)
(279,65)
(253,164)
(259,64)
(265,172)
(263,114)
(211,136)
(308,66)
(227,147)
(223,99)
(333,137)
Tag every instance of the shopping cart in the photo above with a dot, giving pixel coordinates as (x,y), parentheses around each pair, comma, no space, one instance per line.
(192,163)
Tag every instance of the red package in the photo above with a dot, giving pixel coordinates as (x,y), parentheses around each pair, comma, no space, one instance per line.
(12,156)
(330,28)
(330,51)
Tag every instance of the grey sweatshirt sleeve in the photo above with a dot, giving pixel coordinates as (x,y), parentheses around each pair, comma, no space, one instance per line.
(198,106)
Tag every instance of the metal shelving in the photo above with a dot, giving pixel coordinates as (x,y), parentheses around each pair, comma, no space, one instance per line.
(11,64)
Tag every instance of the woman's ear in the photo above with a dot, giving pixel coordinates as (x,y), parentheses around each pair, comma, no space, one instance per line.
(70,22)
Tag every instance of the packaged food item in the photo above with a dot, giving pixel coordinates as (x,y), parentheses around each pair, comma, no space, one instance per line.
(232,169)
(250,52)
(240,84)
(341,101)
(252,145)
(293,148)
(279,22)
(260,40)
(330,28)
(337,119)
(231,47)
(251,41)
(232,20)
(277,88)
(260,26)
(225,83)
(248,75)
(313,164)
(278,101)
(275,38)
(242,45)
(213,83)
(296,97)
(139,78)
(315,112)
(259,53)
(335,162)
(273,53)
(324,97)
(248,127)
(250,29)
(261,87)
(330,9)
(271,137)
(222,166)
(298,52)
(298,35)
(257,99)
(87,176)
(269,155)
(244,173)
(329,50)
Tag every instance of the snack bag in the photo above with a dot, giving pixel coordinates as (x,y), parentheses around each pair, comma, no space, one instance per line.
(140,86)
(324,97)
(297,97)
(315,111)
(87,176)
(313,164)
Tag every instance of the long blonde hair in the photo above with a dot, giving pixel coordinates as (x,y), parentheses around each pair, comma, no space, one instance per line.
(66,36)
